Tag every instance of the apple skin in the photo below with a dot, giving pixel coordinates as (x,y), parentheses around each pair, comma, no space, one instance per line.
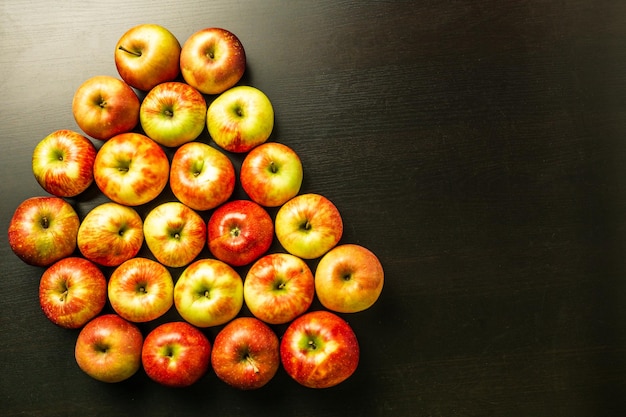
(110,234)
(104,106)
(208,293)
(72,291)
(349,278)
(63,163)
(278,288)
(319,350)
(201,176)
(147,55)
(108,348)
(141,290)
(271,174)
(173,113)
(239,232)
(212,60)
(131,169)
(240,119)
(308,225)
(246,353)
(176,354)
(43,230)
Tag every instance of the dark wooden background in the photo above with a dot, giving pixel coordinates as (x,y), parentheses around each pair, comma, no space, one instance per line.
(477,147)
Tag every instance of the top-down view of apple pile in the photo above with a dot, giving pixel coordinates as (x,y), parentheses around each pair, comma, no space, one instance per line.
(138,137)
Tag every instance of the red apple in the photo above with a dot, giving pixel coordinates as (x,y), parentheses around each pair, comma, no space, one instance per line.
(278,288)
(43,230)
(239,232)
(245,353)
(319,350)
(72,291)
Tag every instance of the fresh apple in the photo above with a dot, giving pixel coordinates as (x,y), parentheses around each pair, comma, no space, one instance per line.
(141,290)
(110,234)
(319,350)
(246,353)
(108,348)
(201,176)
(239,232)
(147,55)
(240,119)
(212,60)
(173,113)
(131,169)
(43,230)
(349,278)
(104,106)
(208,293)
(174,233)
(278,288)
(63,163)
(308,225)
(72,291)
(176,354)
(271,174)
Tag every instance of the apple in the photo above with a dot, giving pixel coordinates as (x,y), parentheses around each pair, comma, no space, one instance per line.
(208,293)
(43,230)
(110,234)
(308,225)
(319,350)
(240,119)
(141,290)
(201,176)
(146,55)
(104,106)
(173,113)
(349,278)
(174,233)
(72,291)
(176,354)
(212,60)
(271,174)
(246,353)
(131,169)
(63,163)
(278,288)
(239,232)
(108,348)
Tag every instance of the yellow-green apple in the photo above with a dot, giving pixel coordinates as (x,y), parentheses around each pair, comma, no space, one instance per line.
(43,230)
(146,55)
(246,353)
(110,234)
(72,291)
(63,163)
(349,278)
(278,288)
(201,176)
(131,169)
(141,290)
(240,119)
(319,350)
(174,233)
(108,348)
(104,106)
(173,113)
(239,232)
(271,174)
(308,225)
(208,293)
(176,354)
(212,60)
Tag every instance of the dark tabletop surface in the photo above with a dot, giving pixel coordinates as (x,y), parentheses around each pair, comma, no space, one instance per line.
(477,147)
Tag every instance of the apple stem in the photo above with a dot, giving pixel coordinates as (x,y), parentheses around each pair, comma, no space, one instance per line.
(273,168)
(63,296)
(130,52)
(312,345)
(45,223)
(253,364)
